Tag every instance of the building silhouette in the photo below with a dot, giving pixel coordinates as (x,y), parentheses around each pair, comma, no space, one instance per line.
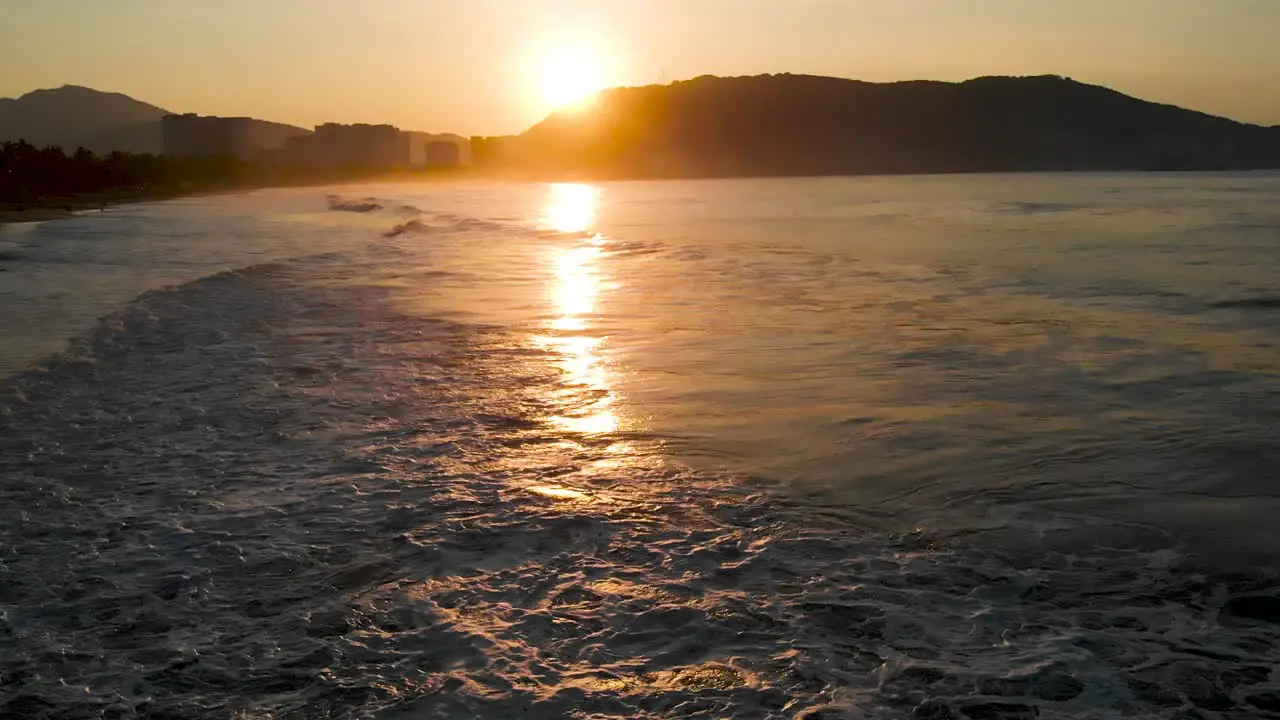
(443,155)
(488,151)
(428,151)
(193,135)
(418,142)
(301,151)
(361,145)
(332,145)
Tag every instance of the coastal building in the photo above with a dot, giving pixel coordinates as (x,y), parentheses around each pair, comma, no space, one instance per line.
(488,151)
(430,151)
(332,145)
(242,137)
(443,155)
(335,145)
(302,151)
(418,148)
(362,145)
(193,135)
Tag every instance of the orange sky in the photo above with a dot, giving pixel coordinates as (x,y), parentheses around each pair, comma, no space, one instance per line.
(472,67)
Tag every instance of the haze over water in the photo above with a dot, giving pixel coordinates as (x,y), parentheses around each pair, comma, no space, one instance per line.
(951,446)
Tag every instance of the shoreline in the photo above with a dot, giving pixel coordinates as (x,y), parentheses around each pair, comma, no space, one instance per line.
(67,207)
(49,209)
(32,215)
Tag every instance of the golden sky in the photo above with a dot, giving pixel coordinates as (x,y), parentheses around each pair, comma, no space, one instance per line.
(473,66)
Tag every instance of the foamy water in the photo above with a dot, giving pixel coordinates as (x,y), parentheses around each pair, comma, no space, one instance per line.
(979,447)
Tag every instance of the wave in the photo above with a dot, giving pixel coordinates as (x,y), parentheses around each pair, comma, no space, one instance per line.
(471,224)
(363,205)
(476,224)
(413,227)
(634,247)
(1034,208)
(455,224)
(1261,302)
(197,304)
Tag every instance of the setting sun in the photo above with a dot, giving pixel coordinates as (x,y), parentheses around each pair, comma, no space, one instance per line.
(570,77)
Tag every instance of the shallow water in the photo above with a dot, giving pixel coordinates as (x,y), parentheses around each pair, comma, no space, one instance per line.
(974,447)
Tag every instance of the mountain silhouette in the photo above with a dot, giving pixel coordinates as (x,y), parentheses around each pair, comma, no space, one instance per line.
(807,125)
(73,116)
(777,125)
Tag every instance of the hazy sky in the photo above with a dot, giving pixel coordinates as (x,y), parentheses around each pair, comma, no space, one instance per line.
(469,66)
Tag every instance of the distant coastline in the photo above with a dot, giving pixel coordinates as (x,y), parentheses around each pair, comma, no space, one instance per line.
(779,125)
(59,207)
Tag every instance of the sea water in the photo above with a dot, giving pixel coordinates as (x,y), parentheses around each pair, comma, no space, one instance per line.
(936,447)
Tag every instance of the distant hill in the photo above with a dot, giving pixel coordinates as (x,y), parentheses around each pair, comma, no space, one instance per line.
(806,125)
(73,116)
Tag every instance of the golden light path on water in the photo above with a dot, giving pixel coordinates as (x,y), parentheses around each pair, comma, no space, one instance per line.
(587,402)
(575,289)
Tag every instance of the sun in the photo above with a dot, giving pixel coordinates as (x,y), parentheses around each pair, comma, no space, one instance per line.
(570,77)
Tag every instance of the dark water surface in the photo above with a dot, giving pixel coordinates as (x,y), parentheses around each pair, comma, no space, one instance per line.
(970,447)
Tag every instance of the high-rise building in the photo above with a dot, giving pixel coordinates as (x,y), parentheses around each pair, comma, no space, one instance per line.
(436,151)
(418,142)
(443,154)
(488,151)
(191,135)
(364,145)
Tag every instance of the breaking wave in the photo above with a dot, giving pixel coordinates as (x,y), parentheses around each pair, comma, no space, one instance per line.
(1262,302)
(413,227)
(363,205)
(1034,208)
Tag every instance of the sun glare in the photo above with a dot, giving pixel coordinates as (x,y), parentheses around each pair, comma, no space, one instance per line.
(571,77)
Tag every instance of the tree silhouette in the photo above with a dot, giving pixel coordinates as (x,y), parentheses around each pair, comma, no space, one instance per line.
(49,176)
(35,175)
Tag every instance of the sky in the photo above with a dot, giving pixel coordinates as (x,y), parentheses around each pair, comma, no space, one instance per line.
(472,66)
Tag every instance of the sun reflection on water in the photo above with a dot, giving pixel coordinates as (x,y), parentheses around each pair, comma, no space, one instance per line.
(572,208)
(588,406)
(577,287)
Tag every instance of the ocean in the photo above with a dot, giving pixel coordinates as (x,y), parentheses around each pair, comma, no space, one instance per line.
(976,447)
